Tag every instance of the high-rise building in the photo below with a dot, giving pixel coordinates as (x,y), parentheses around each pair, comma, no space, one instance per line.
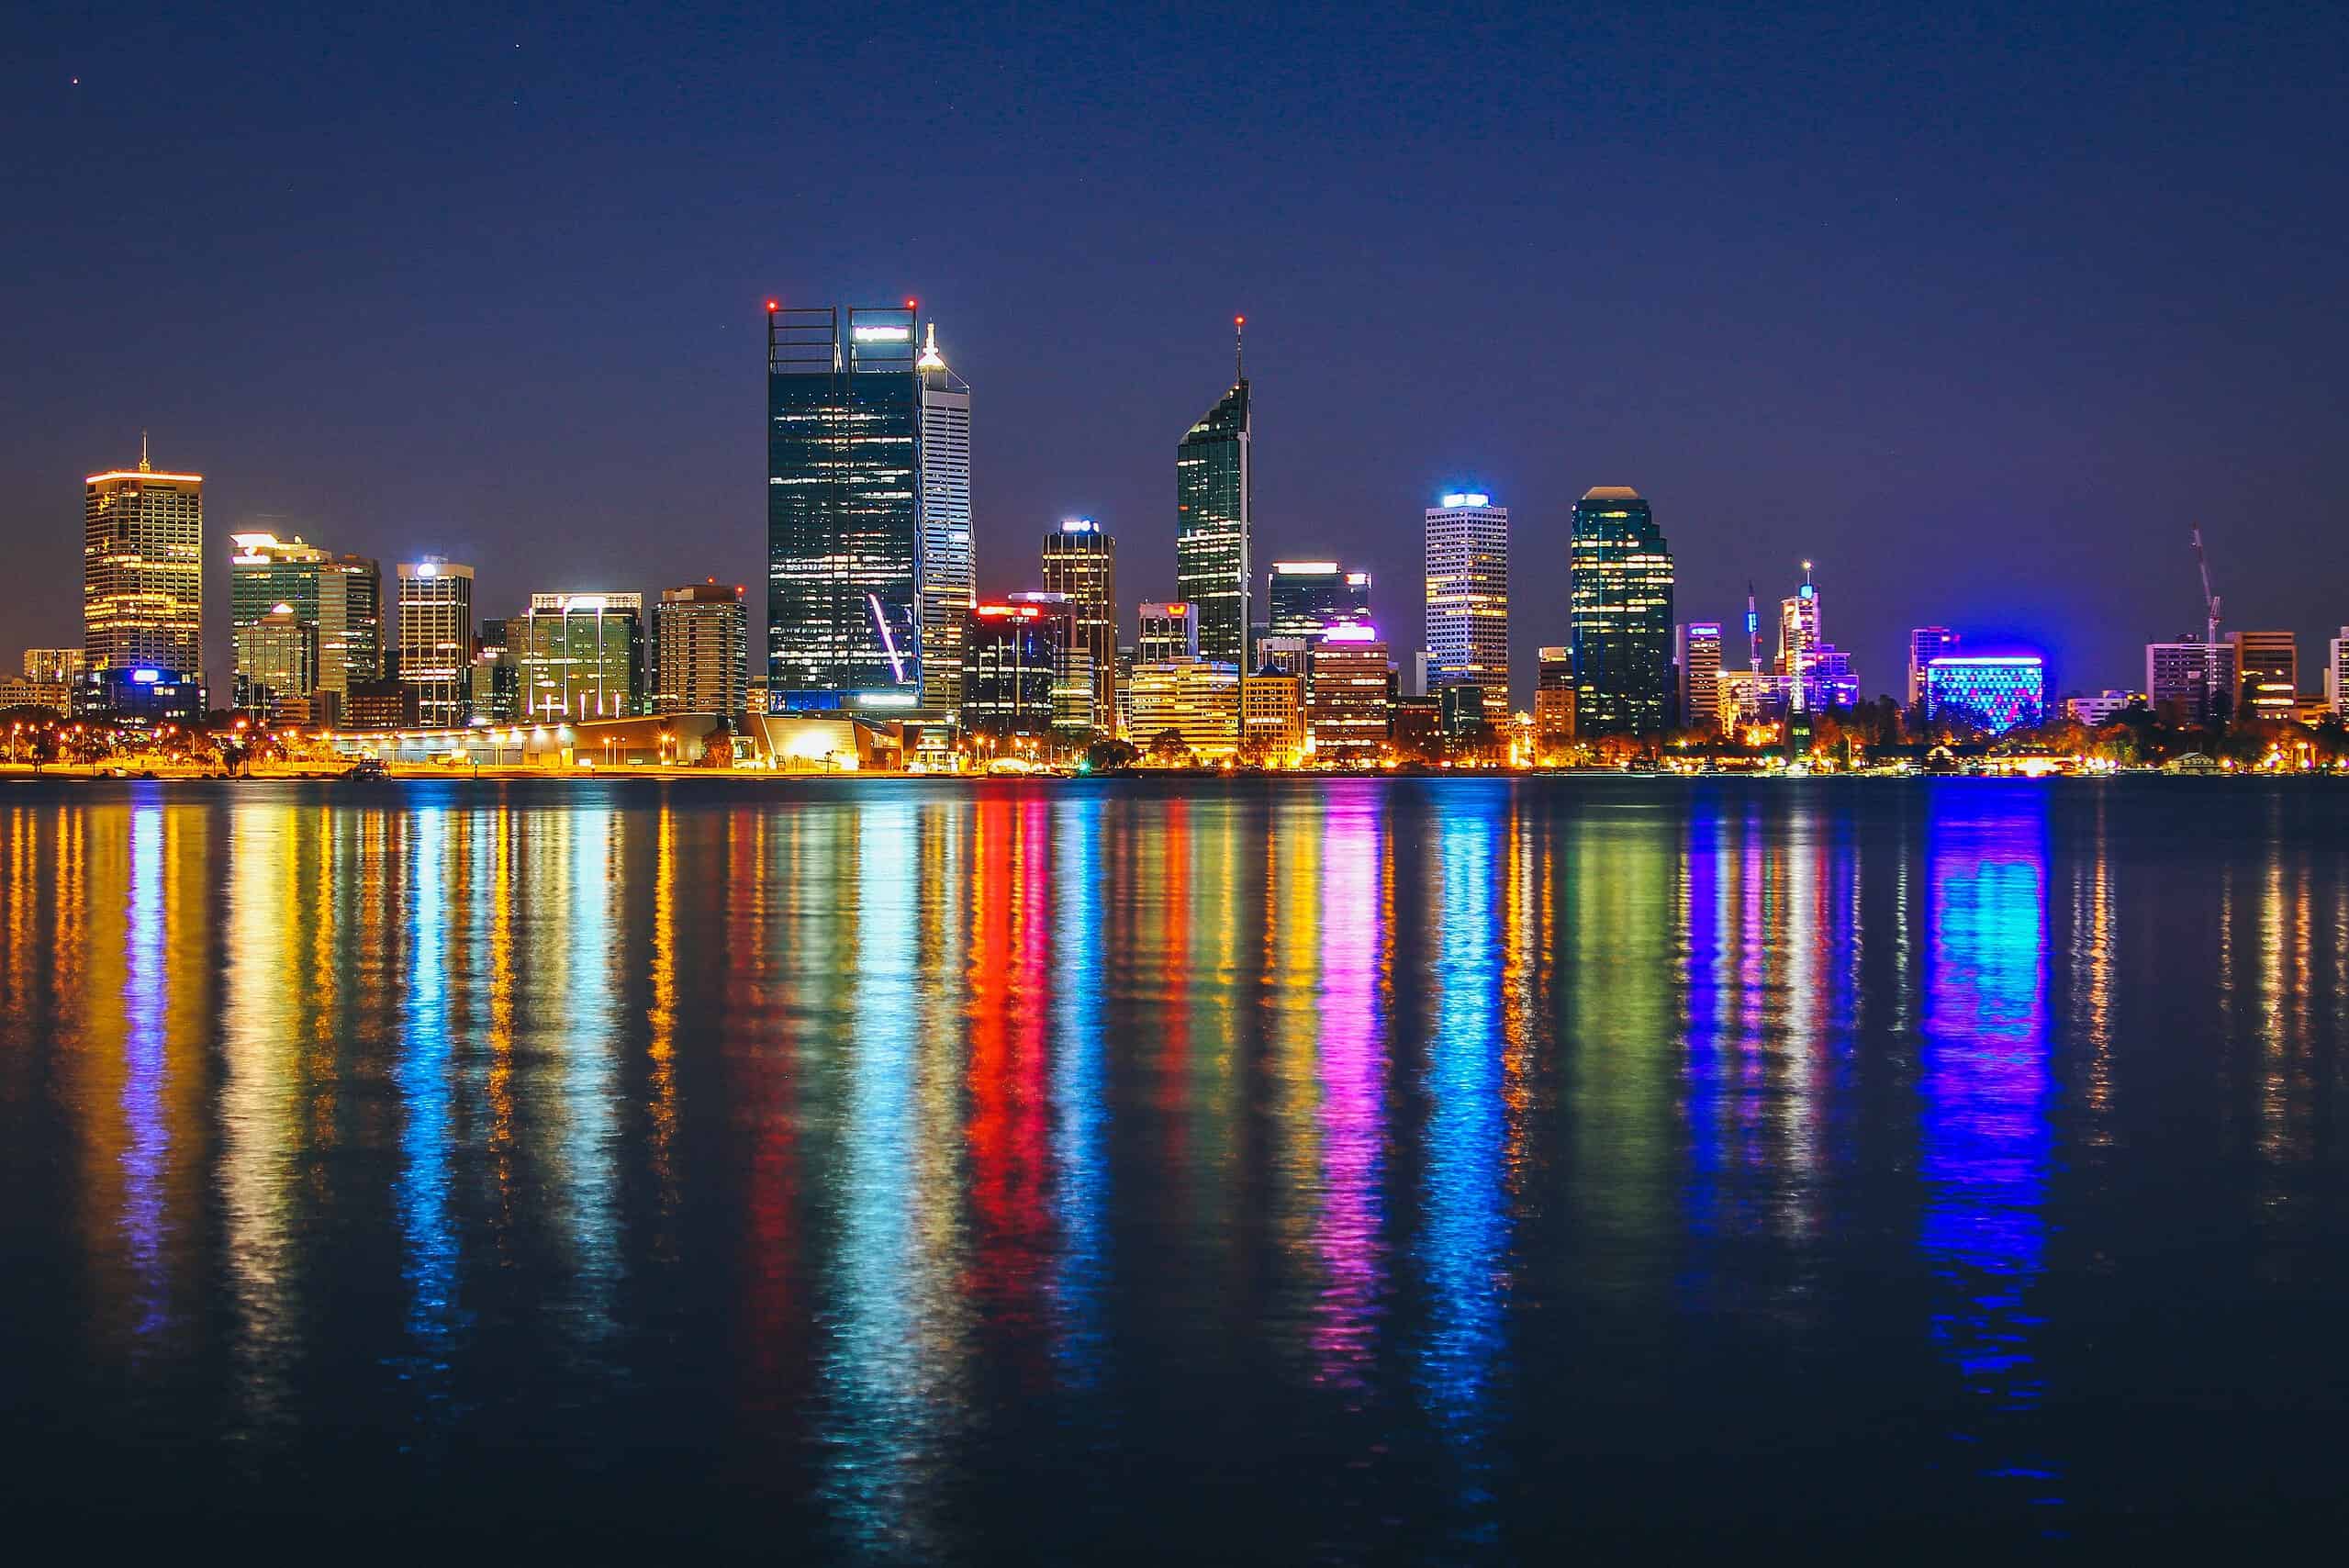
(339,597)
(1621,619)
(1468,595)
(1166,630)
(844,492)
(581,656)
(1308,596)
(1798,637)
(1012,668)
(53,666)
(2336,672)
(1212,489)
(701,647)
(948,576)
(1199,700)
(1346,713)
(2190,681)
(1925,644)
(436,640)
(1996,692)
(496,690)
(1553,705)
(277,661)
(142,570)
(1081,561)
(1696,656)
(2267,670)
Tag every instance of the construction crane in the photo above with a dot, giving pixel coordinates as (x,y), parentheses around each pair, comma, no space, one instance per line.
(2215,703)
(2209,600)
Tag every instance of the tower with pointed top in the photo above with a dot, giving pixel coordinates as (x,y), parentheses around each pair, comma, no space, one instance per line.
(142,569)
(1212,492)
(946,587)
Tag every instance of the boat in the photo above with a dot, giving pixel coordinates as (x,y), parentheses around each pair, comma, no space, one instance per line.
(366,770)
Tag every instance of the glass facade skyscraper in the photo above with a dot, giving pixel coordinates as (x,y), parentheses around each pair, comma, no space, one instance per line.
(339,597)
(581,656)
(1306,597)
(948,579)
(843,508)
(1621,619)
(1213,487)
(1081,561)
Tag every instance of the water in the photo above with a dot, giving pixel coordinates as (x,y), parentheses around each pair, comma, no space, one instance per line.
(1288,1172)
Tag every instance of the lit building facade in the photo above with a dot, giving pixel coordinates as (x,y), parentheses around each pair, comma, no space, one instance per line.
(1272,716)
(2191,681)
(2099,710)
(1080,562)
(142,571)
(1925,644)
(1198,700)
(339,597)
(2336,671)
(844,492)
(138,696)
(1346,702)
(701,650)
(436,641)
(581,656)
(1553,705)
(1621,618)
(495,692)
(1696,658)
(1468,595)
(1012,670)
(949,578)
(1306,597)
(1214,486)
(53,666)
(1992,692)
(277,661)
(1166,630)
(2267,674)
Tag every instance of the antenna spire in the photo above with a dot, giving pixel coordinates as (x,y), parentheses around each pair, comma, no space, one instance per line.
(1239,359)
(144,466)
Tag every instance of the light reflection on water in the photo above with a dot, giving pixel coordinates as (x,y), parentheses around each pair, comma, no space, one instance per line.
(1281,1171)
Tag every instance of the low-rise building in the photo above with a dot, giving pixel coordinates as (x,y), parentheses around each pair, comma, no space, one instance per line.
(1196,700)
(1346,714)
(1272,716)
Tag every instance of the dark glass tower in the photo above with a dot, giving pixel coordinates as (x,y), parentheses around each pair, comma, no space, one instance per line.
(843,508)
(1621,624)
(1212,498)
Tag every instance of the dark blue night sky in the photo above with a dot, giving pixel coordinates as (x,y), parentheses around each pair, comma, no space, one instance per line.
(1980,307)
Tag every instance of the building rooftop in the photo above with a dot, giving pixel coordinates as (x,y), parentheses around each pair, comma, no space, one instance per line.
(1611,493)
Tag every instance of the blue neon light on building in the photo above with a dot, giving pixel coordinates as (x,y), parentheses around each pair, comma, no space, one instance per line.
(1994,692)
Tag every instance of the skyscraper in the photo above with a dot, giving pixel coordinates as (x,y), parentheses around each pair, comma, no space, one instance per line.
(581,656)
(338,597)
(1925,645)
(1081,561)
(436,640)
(1012,668)
(1165,631)
(844,399)
(1468,595)
(1346,702)
(948,573)
(1798,638)
(277,658)
(1213,486)
(1621,619)
(702,643)
(2336,673)
(1697,655)
(1306,597)
(142,569)
(2190,681)
(1553,705)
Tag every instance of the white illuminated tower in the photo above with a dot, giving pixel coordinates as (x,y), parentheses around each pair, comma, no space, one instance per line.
(948,582)
(436,640)
(1468,594)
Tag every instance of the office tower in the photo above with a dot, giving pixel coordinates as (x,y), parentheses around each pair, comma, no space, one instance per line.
(1621,619)
(1012,668)
(2336,672)
(436,641)
(53,666)
(701,647)
(1213,486)
(581,656)
(844,492)
(1081,561)
(2190,681)
(277,661)
(142,570)
(1286,656)
(351,623)
(1553,705)
(1996,693)
(1468,595)
(949,573)
(1697,655)
(1272,715)
(338,596)
(1198,700)
(2099,710)
(1167,629)
(1347,703)
(2267,670)
(1307,596)
(497,689)
(1798,635)
(1925,645)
